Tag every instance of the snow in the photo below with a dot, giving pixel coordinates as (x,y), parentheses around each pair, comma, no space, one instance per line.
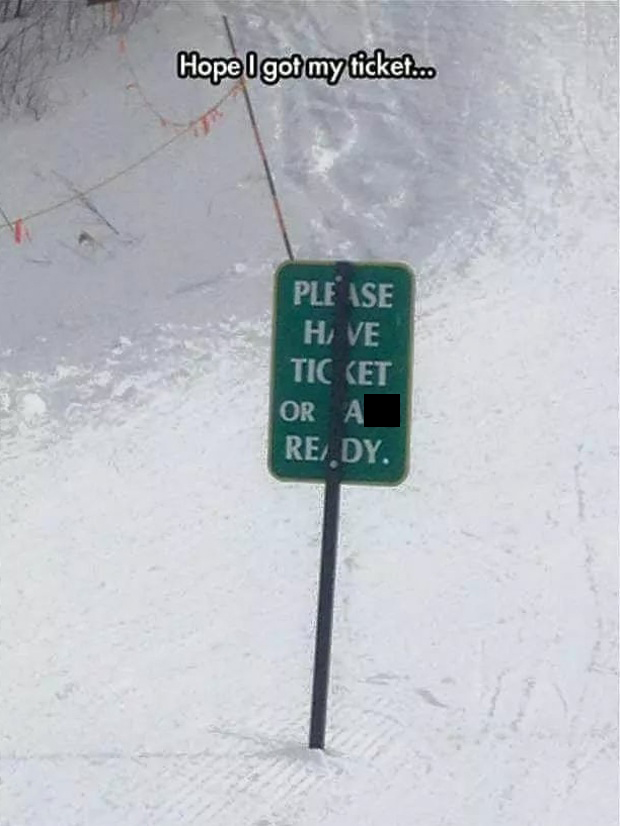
(33,407)
(158,588)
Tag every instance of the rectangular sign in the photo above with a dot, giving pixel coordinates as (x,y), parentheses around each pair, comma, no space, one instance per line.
(375,443)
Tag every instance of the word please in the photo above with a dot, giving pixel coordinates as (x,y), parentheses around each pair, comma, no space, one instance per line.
(323,294)
(362,373)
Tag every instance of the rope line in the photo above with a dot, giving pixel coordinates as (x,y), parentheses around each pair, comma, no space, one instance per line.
(18,226)
(161,118)
(201,120)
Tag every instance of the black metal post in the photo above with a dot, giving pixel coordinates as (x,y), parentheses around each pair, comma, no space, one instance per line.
(333,475)
(262,152)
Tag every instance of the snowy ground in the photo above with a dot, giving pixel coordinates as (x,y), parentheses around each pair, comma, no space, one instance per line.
(158,587)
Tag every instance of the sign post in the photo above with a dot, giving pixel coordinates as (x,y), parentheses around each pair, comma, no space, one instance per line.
(329,542)
(340,401)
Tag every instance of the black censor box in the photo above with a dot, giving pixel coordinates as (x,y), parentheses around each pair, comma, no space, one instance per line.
(381,410)
(271,70)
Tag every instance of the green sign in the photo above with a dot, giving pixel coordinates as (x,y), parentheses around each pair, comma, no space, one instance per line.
(375,444)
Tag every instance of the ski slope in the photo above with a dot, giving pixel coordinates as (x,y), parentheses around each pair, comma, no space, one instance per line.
(158,586)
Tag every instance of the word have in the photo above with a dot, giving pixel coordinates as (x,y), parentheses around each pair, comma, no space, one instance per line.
(365,332)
